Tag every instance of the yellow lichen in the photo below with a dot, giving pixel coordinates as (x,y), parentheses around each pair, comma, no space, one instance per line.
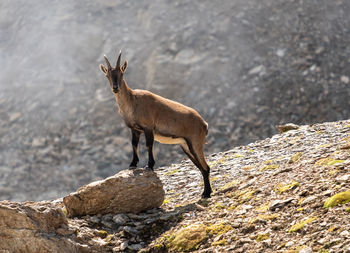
(269,167)
(327,162)
(281,188)
(246,195)
(340,198)
(262,237)
(347,209)
(296,157)
(102,233)
(264,217)
(220,242)
(188,238)
(263,208)
(218,229)
(166,201)
(172,172)
(298,226)
(333,228)
(219,206)
(238,155)
(229,185)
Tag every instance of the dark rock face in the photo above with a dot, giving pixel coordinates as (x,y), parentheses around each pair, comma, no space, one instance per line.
(245,66)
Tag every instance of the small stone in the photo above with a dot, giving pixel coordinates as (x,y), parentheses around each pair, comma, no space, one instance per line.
(344,79)
(279,203)
(135,247)
(95,219)
(286,127)
(344,178)
(309,200)
(38,142)
(345,233)
(131,230)
(120,219)
(123,246)
(280,52)
(306,250)
(289,244)
(14,116)
(256,70)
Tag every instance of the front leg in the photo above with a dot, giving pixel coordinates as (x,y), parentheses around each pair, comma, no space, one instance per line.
(135,142)
(149,144)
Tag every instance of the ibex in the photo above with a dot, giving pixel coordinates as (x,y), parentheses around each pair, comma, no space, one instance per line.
(160,119)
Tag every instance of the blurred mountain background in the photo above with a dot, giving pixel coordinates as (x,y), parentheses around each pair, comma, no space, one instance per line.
(245,66)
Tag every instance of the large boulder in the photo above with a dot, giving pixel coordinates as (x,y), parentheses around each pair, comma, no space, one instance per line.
(129,191)
(34,227)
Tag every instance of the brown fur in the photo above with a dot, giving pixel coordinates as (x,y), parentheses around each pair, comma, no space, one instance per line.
(160,119)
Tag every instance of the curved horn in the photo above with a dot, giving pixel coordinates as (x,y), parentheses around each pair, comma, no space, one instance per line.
(107,61)
(118,61)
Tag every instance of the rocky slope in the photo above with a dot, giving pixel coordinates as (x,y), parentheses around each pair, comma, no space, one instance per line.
(244,65)
(287,193)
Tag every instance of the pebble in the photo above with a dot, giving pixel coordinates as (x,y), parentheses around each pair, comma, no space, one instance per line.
(120,219)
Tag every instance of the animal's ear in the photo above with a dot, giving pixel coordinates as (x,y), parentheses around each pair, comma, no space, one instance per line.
(103,68)
(123,68)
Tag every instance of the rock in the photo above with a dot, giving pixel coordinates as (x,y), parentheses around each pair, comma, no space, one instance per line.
(306,250)
(309,200)
(286,127)
(279,203)
(120,219)
(129,191)
(344,178)
(34,227)
(344,79)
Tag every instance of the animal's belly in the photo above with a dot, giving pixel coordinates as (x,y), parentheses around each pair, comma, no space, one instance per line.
(169,140)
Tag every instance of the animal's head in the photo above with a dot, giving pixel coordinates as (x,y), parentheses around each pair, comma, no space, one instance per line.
(115,75)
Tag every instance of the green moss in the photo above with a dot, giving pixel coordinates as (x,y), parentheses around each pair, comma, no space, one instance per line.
(281,188)
(218,229)
(340,198)
(347,209)
(298,226)
(172,172)
(262,237)
(188,238)
(220,242)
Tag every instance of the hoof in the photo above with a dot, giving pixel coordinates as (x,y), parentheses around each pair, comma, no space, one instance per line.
(148,168)
(132,167)
(205,195)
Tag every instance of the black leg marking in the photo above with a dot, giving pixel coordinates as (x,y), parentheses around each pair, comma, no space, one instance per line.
(149,144)
(205,171)
(135,142)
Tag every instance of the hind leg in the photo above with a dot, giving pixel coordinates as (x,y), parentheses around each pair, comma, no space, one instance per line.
(196,155)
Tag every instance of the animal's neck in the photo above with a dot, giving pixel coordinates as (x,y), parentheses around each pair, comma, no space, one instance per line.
(124,95)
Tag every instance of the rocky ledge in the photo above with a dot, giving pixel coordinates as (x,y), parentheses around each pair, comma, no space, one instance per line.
(287,193)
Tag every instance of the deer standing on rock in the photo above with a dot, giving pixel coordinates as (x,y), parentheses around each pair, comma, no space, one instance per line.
(160,119)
